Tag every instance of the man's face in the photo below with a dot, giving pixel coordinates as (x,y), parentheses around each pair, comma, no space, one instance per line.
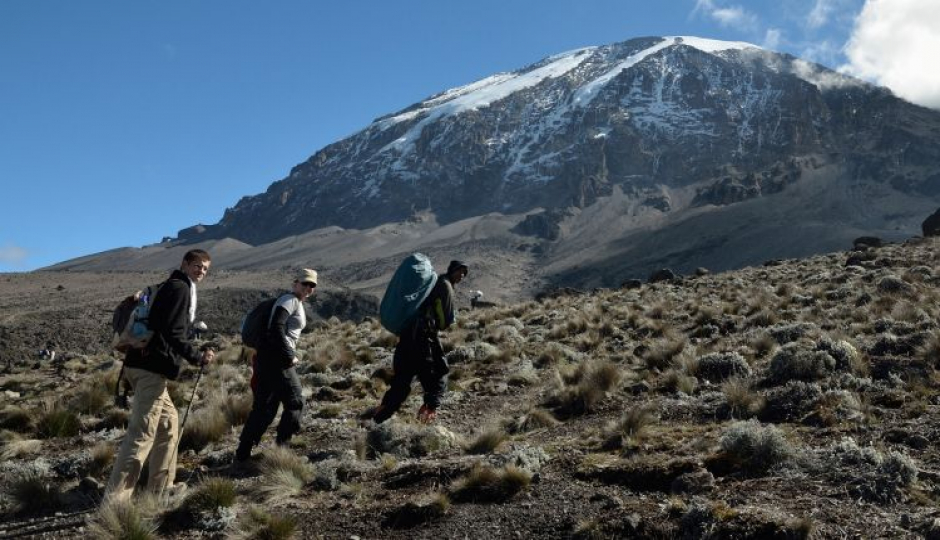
(196,269)
(457,275)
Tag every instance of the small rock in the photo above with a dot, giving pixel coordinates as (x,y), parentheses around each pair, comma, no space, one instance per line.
(663,274)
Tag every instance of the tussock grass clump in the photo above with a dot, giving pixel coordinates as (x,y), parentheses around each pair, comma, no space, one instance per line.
(584,388)
(628,432)
(14,445)
(532,420)
(126,520)
(257,524)
(487,441)
(212,493)
(742,400)
(236,407)
(114,418)
(93,397)
(16,419)
(675,380)
(755,447)
(929,352)
(485,484)
(102,456)
(661,355)
(208,425)
(33,492)
(763,345)
(412,514)
(57,421)
(283,474)
(385,340)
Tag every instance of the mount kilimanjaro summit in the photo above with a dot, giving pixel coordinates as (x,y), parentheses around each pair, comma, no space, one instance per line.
(594,166)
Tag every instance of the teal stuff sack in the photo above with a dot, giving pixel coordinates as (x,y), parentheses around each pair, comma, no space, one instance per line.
(410,286)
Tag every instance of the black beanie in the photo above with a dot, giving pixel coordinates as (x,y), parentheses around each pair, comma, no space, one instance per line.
(456,265)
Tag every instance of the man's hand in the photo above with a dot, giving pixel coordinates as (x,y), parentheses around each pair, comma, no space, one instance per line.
(207,356)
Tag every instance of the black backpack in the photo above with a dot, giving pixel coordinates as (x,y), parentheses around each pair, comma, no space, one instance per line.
(255,324)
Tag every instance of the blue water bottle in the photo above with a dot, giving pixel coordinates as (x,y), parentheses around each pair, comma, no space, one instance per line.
(140,318)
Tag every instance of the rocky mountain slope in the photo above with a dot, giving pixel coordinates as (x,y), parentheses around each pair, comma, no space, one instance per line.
(597,165)
(795,399)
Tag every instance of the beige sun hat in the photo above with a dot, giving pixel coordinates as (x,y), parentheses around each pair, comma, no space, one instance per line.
(306,275)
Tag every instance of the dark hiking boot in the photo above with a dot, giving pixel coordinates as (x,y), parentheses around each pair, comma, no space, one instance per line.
(426,415)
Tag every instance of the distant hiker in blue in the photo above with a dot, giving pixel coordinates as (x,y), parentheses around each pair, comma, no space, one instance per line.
(419,352)
(275,382)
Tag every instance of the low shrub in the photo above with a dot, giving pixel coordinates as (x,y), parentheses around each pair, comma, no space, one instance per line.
(755,447)
(718,366)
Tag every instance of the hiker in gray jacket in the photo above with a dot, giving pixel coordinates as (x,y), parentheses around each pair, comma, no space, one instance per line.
(274,381)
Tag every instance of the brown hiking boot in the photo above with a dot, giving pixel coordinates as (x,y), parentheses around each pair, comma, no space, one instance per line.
(426,415)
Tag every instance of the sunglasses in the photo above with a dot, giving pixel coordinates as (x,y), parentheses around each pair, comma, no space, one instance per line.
(309,284)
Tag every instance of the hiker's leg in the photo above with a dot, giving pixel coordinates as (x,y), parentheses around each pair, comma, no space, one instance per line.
(433,383)
(292,398)
(165,445)
(400,386)
(146,409)
(263,410)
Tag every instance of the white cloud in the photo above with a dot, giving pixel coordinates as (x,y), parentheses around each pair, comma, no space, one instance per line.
(894,43)
(820,13)
(11,254)
(772,39)
(733,16)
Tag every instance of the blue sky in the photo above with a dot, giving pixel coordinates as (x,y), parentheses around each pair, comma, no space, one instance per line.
(123,122)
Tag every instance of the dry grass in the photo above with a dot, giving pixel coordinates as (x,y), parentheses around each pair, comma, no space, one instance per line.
(628,432)
(57,421)
(534,419)
(31,492)
(102,456)
(487,441)
(283,474)
(258,524)
(485,484)
(581,390)
(126,520)
(742,400)
(204,427)
(212,493)
(16,419)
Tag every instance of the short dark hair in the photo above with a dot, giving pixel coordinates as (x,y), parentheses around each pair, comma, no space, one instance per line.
(194,254)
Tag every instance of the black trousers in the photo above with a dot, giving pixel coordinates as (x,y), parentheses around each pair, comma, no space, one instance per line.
(418,354)
(274,386)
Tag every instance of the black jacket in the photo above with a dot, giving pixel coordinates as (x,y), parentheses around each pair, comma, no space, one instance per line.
(276,350)
(169,321)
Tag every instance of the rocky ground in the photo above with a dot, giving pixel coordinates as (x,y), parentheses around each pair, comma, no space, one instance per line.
(798,399)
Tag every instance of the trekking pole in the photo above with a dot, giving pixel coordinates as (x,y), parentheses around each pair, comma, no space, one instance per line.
(179,433)
(190,405)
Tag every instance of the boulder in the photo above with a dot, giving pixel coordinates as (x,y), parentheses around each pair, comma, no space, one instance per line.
(931,225)
(663,274)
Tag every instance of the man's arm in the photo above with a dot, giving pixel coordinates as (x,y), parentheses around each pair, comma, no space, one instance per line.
(277,337)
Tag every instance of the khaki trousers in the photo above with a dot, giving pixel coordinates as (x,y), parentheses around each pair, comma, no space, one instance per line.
(152,430)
